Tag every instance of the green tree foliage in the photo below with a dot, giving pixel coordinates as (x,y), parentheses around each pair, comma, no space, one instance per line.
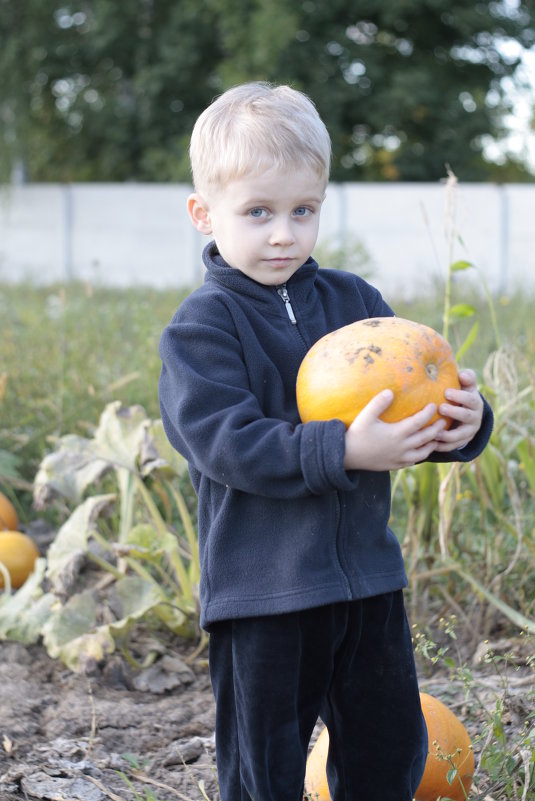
(100,90)
(404,85)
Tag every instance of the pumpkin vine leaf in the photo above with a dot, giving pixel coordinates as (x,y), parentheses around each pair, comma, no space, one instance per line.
(139,532)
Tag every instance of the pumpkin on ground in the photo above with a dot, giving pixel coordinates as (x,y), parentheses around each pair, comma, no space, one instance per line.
(9,519)
(449,747)
(345,369)
(18,553)
(316,773)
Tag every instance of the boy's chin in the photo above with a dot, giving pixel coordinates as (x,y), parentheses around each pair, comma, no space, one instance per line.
(272,276)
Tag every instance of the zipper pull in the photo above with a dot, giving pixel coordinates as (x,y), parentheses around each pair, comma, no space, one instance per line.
(283,292)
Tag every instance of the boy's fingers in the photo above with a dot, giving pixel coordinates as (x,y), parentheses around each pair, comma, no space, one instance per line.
(467,377)
(380,403)
(422,417)
(383,400)
(429,410)
(377,405)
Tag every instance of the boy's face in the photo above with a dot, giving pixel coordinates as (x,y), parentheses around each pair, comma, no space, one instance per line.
(264,225)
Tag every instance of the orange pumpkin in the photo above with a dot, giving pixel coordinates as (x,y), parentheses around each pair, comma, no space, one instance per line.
(316,773)
(345,369)
(450,747)
(9,519)
(449,742)
(18,553)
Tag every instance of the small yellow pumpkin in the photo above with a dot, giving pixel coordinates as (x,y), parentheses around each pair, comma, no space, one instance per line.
(18,553)
(449,747)
(9,519)
(345,369)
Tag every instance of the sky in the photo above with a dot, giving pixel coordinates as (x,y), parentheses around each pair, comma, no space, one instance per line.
(521,141)
(522,138)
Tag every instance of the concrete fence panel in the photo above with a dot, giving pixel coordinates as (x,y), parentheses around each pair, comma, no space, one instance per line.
(127,234)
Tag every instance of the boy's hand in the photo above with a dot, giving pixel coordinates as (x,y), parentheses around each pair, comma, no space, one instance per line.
(372,444)
(466,411)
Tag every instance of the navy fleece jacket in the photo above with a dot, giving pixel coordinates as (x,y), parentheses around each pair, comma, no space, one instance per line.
(282,525)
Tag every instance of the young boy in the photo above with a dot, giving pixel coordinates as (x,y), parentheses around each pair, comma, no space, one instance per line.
(301,586)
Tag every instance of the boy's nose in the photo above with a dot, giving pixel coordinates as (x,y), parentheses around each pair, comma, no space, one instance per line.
(282,233)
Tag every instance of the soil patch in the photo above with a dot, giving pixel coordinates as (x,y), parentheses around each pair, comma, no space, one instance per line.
(118,733)
(66,737)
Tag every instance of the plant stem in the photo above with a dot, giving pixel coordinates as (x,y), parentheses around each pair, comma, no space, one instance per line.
(7,578)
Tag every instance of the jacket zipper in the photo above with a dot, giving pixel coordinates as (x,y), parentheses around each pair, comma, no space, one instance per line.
(283,292)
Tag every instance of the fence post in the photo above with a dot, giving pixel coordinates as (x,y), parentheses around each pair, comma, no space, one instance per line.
(503,243)
(68,267)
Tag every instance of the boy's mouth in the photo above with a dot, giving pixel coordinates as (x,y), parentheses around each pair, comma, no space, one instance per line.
(280,261)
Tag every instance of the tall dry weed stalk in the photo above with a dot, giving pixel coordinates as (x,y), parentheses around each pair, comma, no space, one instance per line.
(469,542)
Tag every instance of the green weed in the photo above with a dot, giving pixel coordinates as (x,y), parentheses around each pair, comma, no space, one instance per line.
(67,351)
(497,699)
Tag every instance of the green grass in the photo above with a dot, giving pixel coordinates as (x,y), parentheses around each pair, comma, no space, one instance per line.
(69,350)
(514,323)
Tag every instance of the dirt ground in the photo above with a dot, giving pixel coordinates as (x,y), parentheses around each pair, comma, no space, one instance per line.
(128,735)
(66,737)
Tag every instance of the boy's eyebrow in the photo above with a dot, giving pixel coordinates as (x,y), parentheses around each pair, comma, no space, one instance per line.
(255,200)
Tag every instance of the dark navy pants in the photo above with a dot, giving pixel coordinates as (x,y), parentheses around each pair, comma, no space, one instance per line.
(352,665)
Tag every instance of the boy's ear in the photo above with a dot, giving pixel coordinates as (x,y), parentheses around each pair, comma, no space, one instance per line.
(199,214)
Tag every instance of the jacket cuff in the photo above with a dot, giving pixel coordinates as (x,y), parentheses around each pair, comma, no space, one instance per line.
(322,458)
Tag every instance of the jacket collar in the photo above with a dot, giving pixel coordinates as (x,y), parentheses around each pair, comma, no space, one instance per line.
(218,270)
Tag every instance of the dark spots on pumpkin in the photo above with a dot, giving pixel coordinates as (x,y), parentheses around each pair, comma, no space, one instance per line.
(367,351)
(409,368)
(373,323)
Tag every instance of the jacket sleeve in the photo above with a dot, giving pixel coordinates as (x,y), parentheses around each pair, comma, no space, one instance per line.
(214,420)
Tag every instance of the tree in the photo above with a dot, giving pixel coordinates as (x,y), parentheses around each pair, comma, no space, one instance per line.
(97,90)
(104,91)
(405,86)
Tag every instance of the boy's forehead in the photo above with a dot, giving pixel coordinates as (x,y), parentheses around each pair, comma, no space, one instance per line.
(298,182)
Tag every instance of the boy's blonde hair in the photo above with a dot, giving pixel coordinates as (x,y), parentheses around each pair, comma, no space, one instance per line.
(257,126)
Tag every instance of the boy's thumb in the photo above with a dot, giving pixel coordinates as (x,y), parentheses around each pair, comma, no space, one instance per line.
(380,402)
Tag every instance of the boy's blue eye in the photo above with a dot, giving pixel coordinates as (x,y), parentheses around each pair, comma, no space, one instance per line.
(301,211)
(258,212)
